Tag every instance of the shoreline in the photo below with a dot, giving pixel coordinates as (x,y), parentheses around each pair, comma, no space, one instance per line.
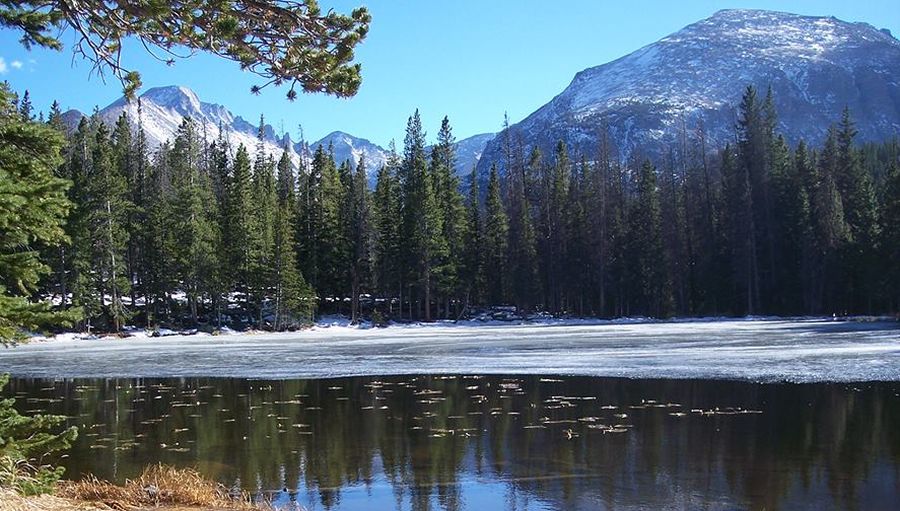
(339,323)
(760,350)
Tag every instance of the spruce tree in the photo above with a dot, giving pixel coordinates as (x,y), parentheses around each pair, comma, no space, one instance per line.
(861,212)
(474,245)
(555,193)
(261,228)
(831,232)
(158,240)
(652,284)
(450,204)
(26,109)
(33,208)
(240,225)
(522,257)
(294,301)
(359,236)
(105,208)
(496,232)
(386,230)
(422,217)
(332,246)
(196,233)
(890,235)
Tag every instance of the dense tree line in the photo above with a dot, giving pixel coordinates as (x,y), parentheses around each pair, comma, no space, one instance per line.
(201,233)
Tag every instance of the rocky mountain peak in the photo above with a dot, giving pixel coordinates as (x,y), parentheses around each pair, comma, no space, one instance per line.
(815,66)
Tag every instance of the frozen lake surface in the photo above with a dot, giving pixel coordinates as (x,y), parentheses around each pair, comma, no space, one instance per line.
(757,350)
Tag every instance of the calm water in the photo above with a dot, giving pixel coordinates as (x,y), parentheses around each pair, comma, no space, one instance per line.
(494,443)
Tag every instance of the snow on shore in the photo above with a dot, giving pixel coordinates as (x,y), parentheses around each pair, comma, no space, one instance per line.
(798,350)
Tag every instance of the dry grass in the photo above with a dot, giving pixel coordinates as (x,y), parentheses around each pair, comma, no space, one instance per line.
(12,501)
(158,486)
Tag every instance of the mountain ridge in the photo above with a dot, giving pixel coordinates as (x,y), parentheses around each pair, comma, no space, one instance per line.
(815,65)
(162,109)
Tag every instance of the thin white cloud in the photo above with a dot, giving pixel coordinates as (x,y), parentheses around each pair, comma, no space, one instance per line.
(16,64)
(3,68)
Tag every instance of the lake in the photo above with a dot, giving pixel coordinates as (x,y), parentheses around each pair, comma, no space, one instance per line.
(474,442)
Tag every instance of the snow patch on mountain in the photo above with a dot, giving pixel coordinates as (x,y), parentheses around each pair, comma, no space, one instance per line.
(815,66)
(161,110)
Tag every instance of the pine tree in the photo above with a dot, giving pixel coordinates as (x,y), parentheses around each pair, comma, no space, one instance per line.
(26,439)
(890,235)
(240,224)
(450,204)
(104,205)
(790,205)
(740,234)
(496,232)
(474,246)
(26,109)
(652,293)
(56,283)
(33,208)
(158,239)
(752,180)
(332,246)
(800,224)
(129,160)
(196,233)
(555,192)
(294,300)
(422,217)
(261,232)
(576,264)
(386,230)
(861,212)
(831,231)
(359,236)
(522,257)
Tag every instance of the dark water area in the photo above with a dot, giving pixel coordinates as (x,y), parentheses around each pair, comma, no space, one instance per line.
(495,443)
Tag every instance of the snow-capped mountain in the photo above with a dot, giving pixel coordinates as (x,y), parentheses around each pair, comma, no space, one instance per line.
(347,147)
(647,99)
(162,110)
(469,151)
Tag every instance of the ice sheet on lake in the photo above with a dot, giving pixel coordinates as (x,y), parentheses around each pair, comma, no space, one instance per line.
(763,350)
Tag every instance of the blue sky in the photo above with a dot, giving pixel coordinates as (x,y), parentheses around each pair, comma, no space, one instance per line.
(470,60)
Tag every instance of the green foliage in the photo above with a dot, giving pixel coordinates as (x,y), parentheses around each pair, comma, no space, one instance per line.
(199,236)
(33,207)
(386,228)
(496,230)
(294,300)
(24,441)
(423,220)
(651,284)
(290,42)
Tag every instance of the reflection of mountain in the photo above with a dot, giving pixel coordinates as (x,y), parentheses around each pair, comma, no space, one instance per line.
(490,443)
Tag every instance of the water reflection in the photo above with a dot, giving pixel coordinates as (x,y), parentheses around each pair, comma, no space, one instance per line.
(471,443)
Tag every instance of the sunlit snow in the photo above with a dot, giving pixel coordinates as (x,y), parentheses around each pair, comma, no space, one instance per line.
(771,350)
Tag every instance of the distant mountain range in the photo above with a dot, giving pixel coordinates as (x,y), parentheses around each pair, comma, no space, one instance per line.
(645,100)
(162,109)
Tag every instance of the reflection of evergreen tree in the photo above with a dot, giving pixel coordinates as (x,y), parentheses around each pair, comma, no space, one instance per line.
(243,432)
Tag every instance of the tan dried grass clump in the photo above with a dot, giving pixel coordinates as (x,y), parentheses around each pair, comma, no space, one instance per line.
(12,501)
(158,486)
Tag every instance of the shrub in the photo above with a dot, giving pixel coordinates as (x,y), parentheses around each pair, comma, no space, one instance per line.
(24,441)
